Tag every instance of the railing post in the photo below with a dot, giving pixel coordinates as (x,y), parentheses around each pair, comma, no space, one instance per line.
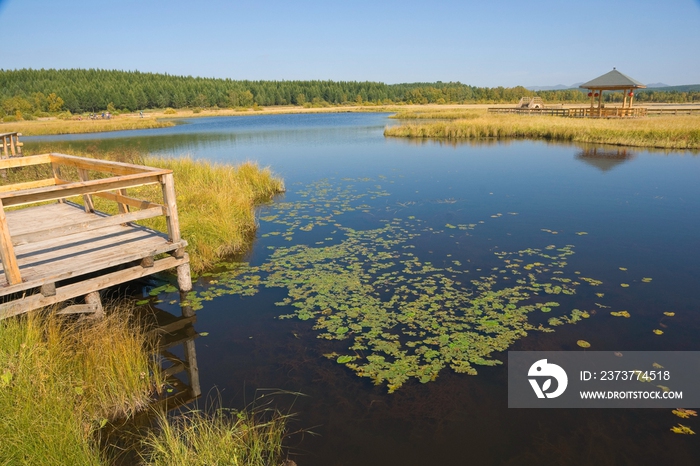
(168,185)
(7,251)
(87,198)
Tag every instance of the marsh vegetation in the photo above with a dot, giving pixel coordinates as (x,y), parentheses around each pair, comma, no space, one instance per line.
(666,132)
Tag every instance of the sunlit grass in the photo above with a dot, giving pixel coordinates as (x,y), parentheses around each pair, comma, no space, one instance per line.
(46,127)
(225,437)
(668,131)
(61,379)
(216,205)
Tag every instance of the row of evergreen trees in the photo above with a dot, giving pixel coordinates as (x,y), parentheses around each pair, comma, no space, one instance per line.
(92,90)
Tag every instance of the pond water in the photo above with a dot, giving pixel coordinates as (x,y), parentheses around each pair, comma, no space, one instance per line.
(415,265)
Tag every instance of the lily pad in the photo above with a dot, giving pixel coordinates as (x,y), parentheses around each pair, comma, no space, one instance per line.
(658,332)
(583,344)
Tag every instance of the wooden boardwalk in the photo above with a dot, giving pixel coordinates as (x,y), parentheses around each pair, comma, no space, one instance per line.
(53,250)
(576,112)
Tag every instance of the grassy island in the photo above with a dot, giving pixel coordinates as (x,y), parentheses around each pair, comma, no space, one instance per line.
(666,132)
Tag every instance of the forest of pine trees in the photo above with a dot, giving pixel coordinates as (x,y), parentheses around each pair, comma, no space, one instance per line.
(29,92)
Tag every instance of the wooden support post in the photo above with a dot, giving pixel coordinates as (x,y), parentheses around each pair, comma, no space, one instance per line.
(4,146)
(123,208)
(7,251)
(19,145)
(12,146)
(184,279)
(168,184)
(56,169)
(87,198)
(95,300)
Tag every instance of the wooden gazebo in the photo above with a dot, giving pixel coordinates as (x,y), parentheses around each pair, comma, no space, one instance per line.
(612,81)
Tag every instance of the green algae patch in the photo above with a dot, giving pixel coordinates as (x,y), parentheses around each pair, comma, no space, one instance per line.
(399,315)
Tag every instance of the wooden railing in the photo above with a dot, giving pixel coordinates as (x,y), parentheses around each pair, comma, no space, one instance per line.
(608,112)
(10,145)
(117,178)
(583,112)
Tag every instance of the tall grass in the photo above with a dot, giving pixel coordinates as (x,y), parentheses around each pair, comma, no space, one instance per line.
(668,131)
(216,205)
(224,438)
(46,127)
(439,114)
(61,379)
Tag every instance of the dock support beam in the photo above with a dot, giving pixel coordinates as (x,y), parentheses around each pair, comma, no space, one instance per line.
(184,278)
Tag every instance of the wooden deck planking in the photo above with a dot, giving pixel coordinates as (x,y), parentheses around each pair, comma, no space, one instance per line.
(61,250)
(54,259)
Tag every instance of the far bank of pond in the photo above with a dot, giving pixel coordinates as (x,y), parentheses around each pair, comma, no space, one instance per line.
(390,260)
(667,131)
(664,132)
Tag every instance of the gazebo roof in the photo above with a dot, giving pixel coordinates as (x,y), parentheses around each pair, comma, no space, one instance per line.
(611,81)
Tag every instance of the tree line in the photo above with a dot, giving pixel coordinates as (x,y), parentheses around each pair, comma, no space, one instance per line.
(32,92)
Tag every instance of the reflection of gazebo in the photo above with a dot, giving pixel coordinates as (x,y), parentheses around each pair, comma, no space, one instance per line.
(604,159)
(612,81)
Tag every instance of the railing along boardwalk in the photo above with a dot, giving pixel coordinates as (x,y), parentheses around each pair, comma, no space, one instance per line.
(582,112)
(53,250)
(10,145)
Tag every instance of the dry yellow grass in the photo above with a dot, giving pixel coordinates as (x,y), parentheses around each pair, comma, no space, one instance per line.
(48,127)
(667,132)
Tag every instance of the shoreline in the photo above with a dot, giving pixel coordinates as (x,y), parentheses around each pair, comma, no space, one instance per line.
(157,118)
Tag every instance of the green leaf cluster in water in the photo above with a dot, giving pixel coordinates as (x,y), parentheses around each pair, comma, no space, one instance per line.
(402,316)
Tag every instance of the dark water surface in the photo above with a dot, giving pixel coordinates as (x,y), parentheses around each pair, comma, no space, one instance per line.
(455,206)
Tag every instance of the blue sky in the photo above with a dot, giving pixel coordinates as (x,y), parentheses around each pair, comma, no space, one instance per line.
(483,43)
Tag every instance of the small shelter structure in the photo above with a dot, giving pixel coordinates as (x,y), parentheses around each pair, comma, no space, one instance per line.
(612,81)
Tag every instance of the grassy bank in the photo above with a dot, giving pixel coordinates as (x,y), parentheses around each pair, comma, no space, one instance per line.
(667,132)
(60,380)
(49,127)
(216,205)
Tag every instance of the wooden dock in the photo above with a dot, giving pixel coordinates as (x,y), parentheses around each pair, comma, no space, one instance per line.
(54,250)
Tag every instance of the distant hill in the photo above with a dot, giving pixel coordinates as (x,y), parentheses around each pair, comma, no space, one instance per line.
(558,87)
(657,85)
(683,88)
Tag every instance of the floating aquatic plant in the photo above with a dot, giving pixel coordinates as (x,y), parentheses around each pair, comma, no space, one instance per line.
(401,316)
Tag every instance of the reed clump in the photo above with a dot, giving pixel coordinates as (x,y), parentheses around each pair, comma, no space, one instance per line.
(667,132)
(62,379)
(216,205)
(223,437)
(49,127)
